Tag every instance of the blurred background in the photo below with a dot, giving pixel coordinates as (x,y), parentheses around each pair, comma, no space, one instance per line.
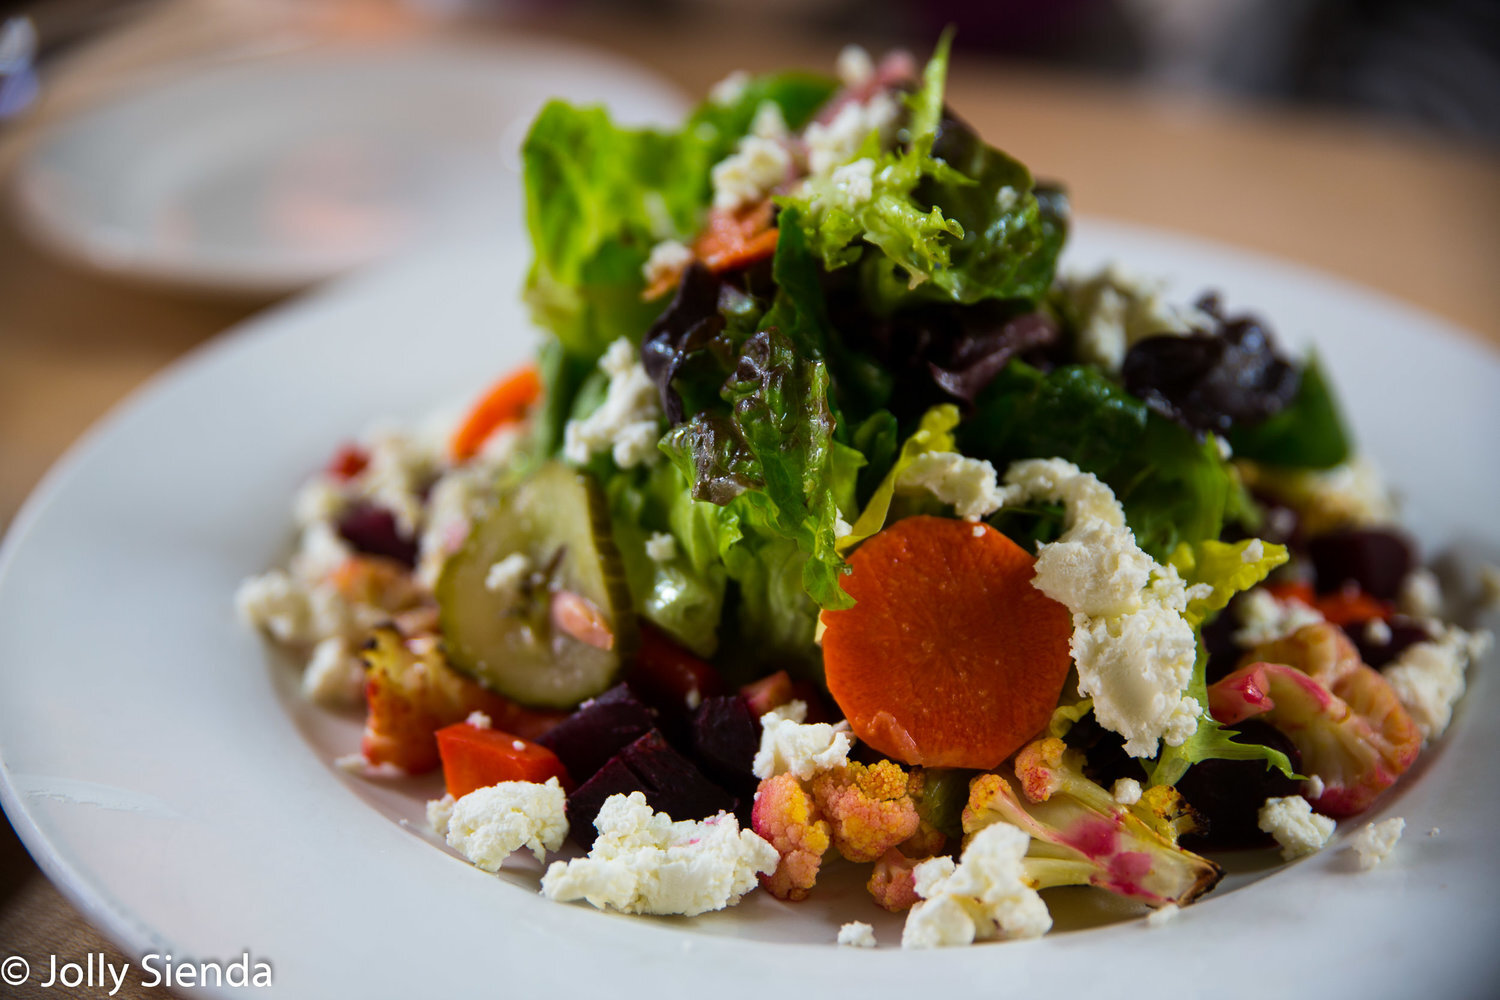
(170,167)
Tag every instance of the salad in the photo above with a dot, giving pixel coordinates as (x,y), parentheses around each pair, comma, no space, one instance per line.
(831,524)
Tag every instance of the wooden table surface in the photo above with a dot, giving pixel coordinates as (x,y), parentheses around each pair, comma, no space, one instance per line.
(1391,207)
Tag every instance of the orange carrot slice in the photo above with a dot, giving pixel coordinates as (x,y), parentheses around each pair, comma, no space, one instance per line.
(504,403)
(949,657)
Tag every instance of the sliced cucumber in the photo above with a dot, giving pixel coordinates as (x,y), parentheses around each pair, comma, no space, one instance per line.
(560,633)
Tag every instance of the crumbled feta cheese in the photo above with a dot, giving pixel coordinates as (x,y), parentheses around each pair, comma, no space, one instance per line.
(847,188)
(627,423)
(729,89)
(969,484)
(1265,619)
(1375,841)
(321,498)
(1126,791)
(1163,915)
(508,576)
(1114,311)
(402,465)
(750,173)
(1096,569)
(1295,826)
(479,720)
(661,547)
(1313,788)
(787,744)
(668,259)
(1428,677)
(1377,632)
(1133,648)
(842,528)
(290,610)
(1007,197)
(985,895)
(768,122)
(1421,594)
(490,824)
(833,144)
(1254,552)
(642,862)
(855,67)
(335,675)
(857,934)
(439,812)
(1350,495)
(320,552)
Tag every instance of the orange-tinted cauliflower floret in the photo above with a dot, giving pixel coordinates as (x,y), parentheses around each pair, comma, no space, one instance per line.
(868,808)
(892,883)
(786,816)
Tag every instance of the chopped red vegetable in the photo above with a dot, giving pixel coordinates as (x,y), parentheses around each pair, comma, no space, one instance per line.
(478,758)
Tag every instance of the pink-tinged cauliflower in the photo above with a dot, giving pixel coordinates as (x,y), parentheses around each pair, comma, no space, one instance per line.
(893,881)
(1080,834)
(1343,716)
(868,808)
(786,816)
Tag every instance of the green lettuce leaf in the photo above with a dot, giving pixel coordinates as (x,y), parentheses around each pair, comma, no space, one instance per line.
(1224,568)
(1211,741)
(1174,488)
(952,219)
(684,596)
(1309,433)
(934,433)
(600,196)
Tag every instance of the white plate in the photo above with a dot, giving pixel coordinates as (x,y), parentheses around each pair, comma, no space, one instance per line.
(267,175)
(158,765)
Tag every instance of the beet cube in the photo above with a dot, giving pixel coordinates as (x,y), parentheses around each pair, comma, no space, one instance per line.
(593,734)
(1373,559)
(670,782)
(726,736)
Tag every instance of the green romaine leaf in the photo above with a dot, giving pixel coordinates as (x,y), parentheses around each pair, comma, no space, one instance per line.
(1309,433)
(684,596)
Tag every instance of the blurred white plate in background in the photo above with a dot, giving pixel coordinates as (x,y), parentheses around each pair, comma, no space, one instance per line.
(265,176)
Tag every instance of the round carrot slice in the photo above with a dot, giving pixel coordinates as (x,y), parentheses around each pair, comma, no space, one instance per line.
(949,657)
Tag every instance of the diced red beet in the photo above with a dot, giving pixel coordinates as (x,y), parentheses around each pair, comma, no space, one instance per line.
(1375,560)
(725,738)
(671,680)
(373,531)
(671,783)
(593,734)
(1228,794)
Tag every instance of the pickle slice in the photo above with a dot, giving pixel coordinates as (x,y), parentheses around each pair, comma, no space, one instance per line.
(551,627)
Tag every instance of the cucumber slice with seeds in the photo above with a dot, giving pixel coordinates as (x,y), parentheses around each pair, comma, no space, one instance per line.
(555,626)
